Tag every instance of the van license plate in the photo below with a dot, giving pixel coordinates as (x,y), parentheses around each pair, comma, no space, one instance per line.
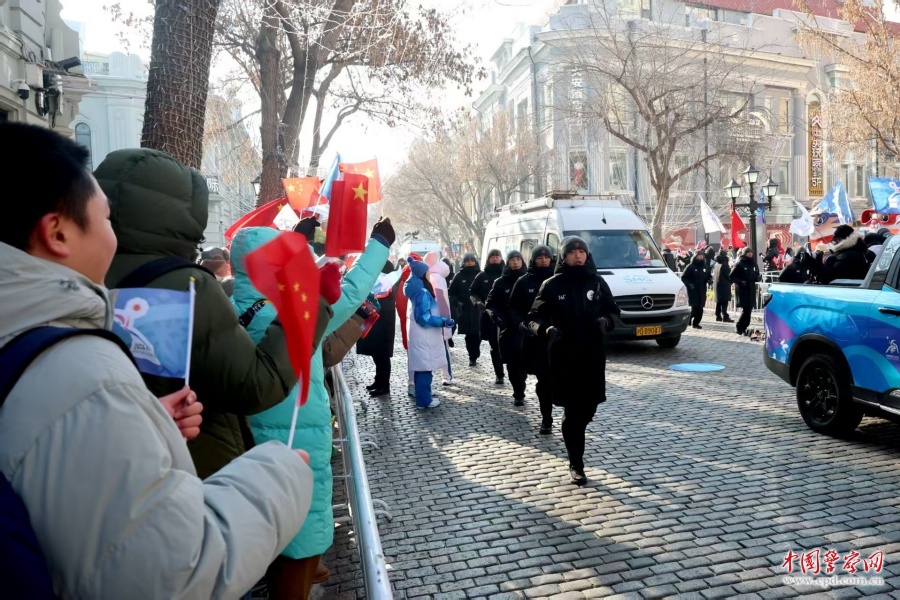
(654,330)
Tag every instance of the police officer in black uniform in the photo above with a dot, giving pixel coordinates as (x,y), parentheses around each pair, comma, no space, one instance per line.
(478,294)
(573,310)
(510,336)
(534,348)
(467,317)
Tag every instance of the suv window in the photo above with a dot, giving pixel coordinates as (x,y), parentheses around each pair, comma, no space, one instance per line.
(879,277)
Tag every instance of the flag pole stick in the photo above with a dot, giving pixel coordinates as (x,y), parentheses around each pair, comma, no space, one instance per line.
(290,442)
(190,339)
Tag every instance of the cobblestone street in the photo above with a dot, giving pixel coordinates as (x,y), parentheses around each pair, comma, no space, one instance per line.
(699,484)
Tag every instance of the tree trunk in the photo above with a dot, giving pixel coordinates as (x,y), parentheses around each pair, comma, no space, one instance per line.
(178,80)
(269,58)
(659,215)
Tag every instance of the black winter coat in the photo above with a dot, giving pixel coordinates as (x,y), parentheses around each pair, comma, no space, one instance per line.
(697,277)
(497,308)
(479,291)
(380,341)
(464,313)
(723,283)
(573,301)
(534,348)
(847,262)
(745,274)
(670,260)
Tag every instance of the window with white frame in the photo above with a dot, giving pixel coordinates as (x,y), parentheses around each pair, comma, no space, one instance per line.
(83,137)
(618,170)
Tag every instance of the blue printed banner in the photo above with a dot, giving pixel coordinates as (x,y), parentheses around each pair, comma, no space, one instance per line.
(156,325)
(836,203)
(885,195)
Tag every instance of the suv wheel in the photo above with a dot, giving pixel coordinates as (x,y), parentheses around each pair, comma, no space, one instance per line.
(824,397)
(668,342)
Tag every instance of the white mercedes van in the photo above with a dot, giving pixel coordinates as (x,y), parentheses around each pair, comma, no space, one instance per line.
(653,300)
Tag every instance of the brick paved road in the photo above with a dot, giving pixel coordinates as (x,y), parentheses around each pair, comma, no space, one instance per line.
(699,484)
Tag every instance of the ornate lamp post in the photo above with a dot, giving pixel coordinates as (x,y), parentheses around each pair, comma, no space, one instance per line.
(733,192)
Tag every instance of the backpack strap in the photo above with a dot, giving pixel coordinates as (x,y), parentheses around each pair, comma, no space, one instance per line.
(155,269)
(18,354)
(251,312)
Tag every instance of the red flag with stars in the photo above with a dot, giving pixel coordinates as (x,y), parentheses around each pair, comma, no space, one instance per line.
(302,192)
(368,168)
(285,272)
(737,226)
(347,216)
(264,216)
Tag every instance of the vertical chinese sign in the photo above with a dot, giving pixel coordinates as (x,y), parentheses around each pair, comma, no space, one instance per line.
(816,151)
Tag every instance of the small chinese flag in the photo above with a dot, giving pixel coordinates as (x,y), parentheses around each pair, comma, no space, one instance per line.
(302,192)
(737,226)
(347,216)
(264,216)
(285,272)
(368,168)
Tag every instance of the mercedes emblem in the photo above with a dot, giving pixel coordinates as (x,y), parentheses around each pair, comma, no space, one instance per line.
(647,302)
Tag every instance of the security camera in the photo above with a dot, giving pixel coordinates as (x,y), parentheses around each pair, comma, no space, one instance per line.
(22,89)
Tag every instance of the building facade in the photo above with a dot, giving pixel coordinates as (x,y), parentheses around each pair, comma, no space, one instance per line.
(530,79)
(41,81)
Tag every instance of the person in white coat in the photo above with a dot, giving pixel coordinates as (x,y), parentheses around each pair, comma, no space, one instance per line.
(438,271)
(426,350)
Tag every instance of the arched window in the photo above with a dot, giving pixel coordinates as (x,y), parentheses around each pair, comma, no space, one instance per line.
(83,137)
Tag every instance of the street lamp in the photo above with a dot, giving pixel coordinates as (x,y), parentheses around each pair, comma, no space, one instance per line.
(733,192)
(256,183)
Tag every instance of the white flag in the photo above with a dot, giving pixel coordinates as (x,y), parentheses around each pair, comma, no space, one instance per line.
(711,221)
(286,219)
(804,225)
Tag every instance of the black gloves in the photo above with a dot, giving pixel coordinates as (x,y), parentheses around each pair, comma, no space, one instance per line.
(307,227)
(384,229)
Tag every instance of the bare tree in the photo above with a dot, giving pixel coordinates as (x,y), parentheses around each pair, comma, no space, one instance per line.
(352,56)
(672,93)
(865,107)
(459,176)
(178,80)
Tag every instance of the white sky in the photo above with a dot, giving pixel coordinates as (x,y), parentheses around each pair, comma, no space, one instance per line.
(482,23)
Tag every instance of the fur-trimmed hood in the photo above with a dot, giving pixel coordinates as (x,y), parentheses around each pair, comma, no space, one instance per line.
(856,238)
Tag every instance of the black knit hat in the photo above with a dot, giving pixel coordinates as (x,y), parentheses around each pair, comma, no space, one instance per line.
(571,243)
(540,251)
(469,256)
(514,254)
(495,252)
(842,232)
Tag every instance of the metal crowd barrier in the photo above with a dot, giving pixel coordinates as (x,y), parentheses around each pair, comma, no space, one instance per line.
(360,506)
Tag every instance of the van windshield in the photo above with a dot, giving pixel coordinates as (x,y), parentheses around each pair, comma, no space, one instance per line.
(613,249)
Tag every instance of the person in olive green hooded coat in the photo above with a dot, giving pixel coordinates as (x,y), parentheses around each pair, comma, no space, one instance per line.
(159,208)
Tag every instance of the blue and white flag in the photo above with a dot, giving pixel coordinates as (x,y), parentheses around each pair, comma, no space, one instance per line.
(761,211)
(333,175)
(885,195)
(804,226)
(711,221)
(157,325)
(836,203)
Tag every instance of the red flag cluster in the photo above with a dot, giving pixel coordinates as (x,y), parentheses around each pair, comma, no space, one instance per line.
(350,197)
(285,272)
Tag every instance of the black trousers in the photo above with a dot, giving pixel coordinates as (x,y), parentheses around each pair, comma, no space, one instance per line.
(744,322)
(495,357)
(722,310)
(382,371)
(473,345)
(574,426)
(517,375)
(545,397)
(696,314)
